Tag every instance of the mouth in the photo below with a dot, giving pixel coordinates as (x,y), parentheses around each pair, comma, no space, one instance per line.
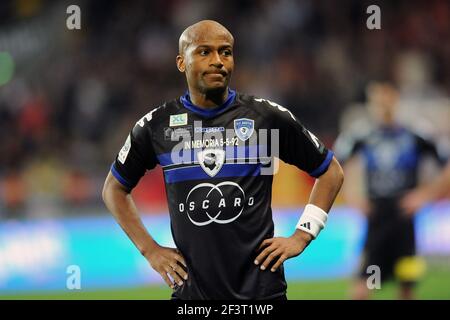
(216,73)
(215,76)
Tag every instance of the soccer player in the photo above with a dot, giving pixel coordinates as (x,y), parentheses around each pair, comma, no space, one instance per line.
(391,156)
(218,190)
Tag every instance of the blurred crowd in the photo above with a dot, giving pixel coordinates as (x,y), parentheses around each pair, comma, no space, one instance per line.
(74,94)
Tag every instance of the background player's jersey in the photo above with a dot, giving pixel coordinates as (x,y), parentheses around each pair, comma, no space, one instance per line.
(391,156)
(219,193)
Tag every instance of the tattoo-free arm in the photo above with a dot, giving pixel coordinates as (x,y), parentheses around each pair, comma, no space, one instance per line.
(322,195)
(327,186)
(164,260)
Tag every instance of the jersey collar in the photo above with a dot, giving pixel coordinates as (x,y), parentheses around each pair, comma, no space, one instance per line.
(210,112)
(391,130)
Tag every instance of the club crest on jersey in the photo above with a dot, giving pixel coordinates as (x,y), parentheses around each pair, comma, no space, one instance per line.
(244,128)
(211,160)
(178,120)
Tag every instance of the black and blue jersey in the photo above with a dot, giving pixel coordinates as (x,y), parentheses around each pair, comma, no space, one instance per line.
(218,168)
(392,157)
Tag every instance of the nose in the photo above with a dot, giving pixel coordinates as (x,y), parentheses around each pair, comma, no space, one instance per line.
(216,61)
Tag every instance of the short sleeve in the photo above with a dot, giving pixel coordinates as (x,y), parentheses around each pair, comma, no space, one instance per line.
(427,147)
(346,146)
(136,156)
(300,147)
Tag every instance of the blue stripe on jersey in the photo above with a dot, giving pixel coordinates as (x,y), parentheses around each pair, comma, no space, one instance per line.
(406,155)
(253,151)
(197,173)
(186,100)
(121,179)
(323,167)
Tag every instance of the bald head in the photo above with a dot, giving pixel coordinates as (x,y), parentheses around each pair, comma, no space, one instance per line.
(203,31)
(206,57)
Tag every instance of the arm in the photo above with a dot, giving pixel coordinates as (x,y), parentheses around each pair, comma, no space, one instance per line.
(322,195)
(354,186)
(439,188)
(327,186)
(119,201)
(416,198)
(348,147)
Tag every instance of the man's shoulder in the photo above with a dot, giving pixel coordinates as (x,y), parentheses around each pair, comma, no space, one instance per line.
(356,137)
(264,106)
(418,132)
(159,114)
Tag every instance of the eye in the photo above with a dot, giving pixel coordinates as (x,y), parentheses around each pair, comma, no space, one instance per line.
(204,52)
(227,53)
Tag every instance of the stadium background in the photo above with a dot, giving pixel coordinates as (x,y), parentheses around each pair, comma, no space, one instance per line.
(69,97)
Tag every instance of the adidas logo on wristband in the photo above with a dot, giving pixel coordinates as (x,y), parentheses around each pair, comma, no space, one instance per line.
(306,225)
(313,220)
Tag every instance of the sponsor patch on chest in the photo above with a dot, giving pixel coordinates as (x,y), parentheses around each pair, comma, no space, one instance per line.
(178,120)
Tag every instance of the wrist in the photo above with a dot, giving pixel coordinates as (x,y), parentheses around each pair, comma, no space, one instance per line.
(302,236)
(149,249)
(312,220)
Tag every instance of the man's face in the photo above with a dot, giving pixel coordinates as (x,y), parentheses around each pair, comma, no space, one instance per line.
(208,61)
(383,102)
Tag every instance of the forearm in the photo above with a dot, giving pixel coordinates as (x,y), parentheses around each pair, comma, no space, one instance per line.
(441,186)
(322,196)
(121,205)
(327,187)
(351,188)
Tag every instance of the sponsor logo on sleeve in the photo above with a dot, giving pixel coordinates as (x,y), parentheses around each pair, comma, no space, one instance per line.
(123,154)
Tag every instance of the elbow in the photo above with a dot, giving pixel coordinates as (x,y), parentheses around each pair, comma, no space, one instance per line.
(112,188)
(336,174)
(107,187)
(340,175)
(105,191)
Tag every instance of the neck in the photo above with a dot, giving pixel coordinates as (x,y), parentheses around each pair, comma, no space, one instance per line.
(208,99)
(388,123)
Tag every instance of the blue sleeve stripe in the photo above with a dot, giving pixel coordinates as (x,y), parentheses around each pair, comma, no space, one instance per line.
(122,180)
(323,167)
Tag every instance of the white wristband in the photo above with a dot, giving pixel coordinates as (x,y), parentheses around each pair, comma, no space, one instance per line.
(313,220)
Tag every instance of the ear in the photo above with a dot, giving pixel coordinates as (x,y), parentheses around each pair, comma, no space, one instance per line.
(180,63)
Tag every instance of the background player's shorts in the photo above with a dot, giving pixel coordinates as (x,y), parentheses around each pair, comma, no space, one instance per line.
(390,244)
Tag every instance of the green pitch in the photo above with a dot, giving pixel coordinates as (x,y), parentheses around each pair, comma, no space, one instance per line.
(435,285)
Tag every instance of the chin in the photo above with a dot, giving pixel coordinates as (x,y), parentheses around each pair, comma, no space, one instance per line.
(215,89)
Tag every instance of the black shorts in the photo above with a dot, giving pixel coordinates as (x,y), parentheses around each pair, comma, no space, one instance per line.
(390,240)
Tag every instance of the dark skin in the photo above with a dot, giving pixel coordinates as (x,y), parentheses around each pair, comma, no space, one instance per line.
(279,249)
(166,261)
(206,58)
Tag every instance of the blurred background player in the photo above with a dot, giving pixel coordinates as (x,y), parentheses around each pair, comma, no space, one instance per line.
(390,155)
